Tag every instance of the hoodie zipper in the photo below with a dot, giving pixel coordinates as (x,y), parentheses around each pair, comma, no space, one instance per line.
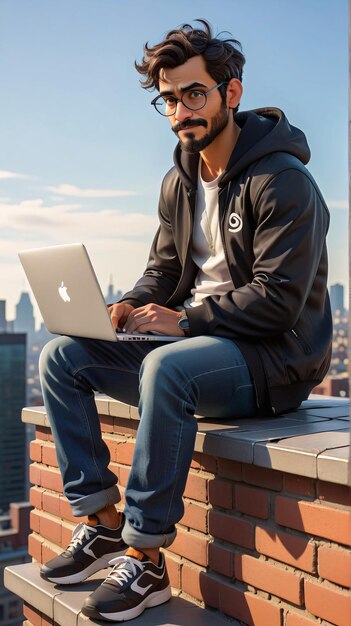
(221,229)
(304,345)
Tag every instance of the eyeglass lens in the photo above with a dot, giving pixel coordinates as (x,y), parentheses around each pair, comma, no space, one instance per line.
(193,100)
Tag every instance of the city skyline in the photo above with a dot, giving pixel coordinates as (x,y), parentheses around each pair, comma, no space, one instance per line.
(22,320)
(77,128)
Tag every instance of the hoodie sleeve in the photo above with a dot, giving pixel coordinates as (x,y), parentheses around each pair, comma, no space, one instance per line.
(288,244)
(163,270)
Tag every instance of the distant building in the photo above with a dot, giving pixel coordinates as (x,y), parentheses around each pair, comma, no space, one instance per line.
(112,295)
(3,323)
(24,321)
(336,293)
(334,386)
(13,433)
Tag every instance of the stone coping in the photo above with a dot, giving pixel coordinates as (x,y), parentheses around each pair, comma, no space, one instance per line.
(62,604)
(313,441)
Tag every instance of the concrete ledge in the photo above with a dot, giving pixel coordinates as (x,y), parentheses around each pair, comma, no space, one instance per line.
(62,604)
(313,441)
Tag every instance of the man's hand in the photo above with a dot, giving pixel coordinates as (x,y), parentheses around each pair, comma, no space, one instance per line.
(154,318)
(119,313)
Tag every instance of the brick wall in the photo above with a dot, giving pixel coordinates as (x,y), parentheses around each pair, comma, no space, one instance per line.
(261,546)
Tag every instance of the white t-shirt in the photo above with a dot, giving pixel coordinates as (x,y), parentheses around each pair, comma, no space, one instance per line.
(207,252)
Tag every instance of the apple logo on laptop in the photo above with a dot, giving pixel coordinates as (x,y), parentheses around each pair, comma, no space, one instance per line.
(63,293)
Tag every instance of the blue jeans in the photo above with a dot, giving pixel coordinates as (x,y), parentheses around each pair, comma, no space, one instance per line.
(169,383)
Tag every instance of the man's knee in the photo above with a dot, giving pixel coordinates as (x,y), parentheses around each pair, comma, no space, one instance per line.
(53,354)
(157,364)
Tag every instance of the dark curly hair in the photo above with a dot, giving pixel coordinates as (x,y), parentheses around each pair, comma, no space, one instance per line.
(223,57)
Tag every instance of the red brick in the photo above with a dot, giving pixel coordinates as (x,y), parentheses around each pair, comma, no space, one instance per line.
(334,564)
(230,469)
(35,474)
(42,432)
(124,452)
(191,545)
(125,426)
(221,493)
(50,529)
(328,602)
(250,609)
(338,494)
(51,503)
(290,549)
(197,487)
(231,529)
(122,471)
(66,536)
(316,519)
(34,520)
(296,619)
(32,614)
(195,516)
(49,552)
(173,568)
(36,497)
(35,450)
(191,581)
(209,586)
(268,577)
(300,485)
(221,559)
(252,501)
(262,477)
(45,621)
(49,455)
(204,462)
(51,479)
(66,511)
(34,547)
(106,423)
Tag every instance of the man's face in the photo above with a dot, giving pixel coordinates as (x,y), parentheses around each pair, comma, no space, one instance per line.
(194,129)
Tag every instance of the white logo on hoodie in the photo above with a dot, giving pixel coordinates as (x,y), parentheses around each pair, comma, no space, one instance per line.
(235,223)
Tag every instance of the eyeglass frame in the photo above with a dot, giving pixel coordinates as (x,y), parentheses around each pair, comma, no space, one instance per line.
(205,93)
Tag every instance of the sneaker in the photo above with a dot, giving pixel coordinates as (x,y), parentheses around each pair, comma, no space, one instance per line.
(134,584)
(91,549)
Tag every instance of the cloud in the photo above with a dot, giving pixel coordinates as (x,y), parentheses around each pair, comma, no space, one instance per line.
(76,192)
(34,220)
(6,175)
(338,204)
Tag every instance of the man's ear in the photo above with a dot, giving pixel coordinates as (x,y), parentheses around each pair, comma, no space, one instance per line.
(234,93)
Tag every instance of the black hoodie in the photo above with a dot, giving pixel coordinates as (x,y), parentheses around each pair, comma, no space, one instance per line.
(273,223)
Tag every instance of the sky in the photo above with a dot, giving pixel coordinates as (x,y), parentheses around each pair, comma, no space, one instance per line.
(82,151)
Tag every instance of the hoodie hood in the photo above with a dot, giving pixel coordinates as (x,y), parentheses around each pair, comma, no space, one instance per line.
(263,131)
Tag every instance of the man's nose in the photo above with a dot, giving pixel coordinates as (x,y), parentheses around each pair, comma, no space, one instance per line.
(182,112)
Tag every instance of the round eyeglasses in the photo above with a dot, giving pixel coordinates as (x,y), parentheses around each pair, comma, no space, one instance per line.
(194,100)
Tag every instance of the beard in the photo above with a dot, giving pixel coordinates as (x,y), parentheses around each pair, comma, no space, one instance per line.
(217,123)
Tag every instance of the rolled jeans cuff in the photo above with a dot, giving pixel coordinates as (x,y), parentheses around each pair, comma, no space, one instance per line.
(94,502)
(139,540)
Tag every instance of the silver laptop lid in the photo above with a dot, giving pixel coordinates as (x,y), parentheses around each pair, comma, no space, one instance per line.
(67,291)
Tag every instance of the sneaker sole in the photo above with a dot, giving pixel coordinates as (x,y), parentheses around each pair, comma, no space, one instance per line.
(73,579)
(154,599)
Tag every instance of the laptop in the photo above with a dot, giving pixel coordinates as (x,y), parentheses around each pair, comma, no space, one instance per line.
(69,296)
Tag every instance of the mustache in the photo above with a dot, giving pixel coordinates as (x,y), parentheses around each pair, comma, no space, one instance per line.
(188,124)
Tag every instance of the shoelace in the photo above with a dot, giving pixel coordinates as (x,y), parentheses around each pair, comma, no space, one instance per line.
(121,573)
(80,533)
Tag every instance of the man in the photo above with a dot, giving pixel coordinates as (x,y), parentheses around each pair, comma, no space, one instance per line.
(239,266)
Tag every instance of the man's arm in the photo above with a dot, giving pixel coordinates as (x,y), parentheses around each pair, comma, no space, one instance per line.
(141,309)
(163,270)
